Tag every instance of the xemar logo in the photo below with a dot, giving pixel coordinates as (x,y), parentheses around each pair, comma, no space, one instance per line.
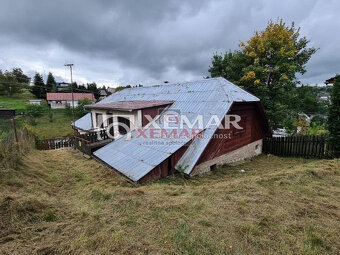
(171,125)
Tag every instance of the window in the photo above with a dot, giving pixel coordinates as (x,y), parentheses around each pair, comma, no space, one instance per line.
(242,124)
(99,120)
(123,125)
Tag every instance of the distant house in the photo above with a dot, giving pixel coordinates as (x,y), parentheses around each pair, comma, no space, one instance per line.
(35,101)
(61,100)
(111,90)
(62,86)
(184,126)
(102,94)
(325,98)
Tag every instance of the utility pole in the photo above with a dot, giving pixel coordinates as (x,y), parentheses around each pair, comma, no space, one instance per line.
(15,130)
(70,66)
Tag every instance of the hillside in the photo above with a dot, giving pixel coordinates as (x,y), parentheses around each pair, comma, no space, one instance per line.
(61,203)
(19,102)
(53,122)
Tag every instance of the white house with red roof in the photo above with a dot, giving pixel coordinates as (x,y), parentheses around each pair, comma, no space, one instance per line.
(61,100)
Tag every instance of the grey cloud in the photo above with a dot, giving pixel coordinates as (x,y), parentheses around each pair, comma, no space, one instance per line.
(158,40)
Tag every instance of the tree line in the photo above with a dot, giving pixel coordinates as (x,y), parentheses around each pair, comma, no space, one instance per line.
(39,88)
(14,81)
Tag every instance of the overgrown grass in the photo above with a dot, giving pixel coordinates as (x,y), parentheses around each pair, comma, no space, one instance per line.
(61,203)
(12,152)
(18,102)
(51,124)
(45,128)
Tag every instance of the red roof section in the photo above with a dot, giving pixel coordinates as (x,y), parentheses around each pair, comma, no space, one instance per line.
(68,96)
(129,105)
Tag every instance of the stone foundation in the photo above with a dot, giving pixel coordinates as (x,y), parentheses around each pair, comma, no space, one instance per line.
(240,154)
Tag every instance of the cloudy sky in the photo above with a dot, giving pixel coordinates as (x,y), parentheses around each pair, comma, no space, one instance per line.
(150,41)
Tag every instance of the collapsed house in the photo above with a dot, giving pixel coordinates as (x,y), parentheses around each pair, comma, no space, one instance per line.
(190,127)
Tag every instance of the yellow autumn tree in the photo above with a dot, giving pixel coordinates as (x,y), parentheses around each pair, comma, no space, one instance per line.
(267,65)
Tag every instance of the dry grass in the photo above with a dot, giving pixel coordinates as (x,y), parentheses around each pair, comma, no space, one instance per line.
(62,203)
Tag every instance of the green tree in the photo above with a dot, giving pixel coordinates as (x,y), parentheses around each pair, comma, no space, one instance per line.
(39,88)
(80,110)
(35,110)
(229,66)
(20,76)
(333,120)
(308,100)
(92,87)
(9,85)
(266,65)
(51,85)
(119,88)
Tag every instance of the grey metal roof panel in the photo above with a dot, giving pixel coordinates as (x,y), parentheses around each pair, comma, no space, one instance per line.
(138,156)
(197,147)
(84,123)
(237,93)
(124,155)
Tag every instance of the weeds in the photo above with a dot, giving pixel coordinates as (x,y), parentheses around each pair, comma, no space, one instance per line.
(61,203)
(11,153)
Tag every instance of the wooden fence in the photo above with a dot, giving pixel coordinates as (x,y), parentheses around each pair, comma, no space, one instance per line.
(55,143)
(306,146)
(91,141)
(85,142)
(93,137)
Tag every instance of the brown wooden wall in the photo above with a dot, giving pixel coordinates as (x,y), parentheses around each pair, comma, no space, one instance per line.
(152,111)
(255,129)
(162,169)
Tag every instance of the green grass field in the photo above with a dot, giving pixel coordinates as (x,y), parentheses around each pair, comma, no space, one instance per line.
(17,102)
(58,202)
(60,126)
(42,127)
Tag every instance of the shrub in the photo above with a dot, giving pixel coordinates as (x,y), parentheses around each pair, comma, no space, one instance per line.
(50,116)
(35,110)
(318,120)
(80,111)
(11,153)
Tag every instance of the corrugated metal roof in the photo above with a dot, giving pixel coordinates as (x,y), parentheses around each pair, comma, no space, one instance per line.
(84,123)
(138,156)
(129,105)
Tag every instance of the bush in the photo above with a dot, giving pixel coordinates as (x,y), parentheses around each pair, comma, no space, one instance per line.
(80,110)
(316,129)
(11,153)
(35,110)
(318,120)
(50,116)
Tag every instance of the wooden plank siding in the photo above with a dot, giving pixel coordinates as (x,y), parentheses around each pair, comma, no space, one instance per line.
(162,170)
(254,130)
(151,111)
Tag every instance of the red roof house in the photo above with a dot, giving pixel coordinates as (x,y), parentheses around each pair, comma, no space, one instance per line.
(61,100)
